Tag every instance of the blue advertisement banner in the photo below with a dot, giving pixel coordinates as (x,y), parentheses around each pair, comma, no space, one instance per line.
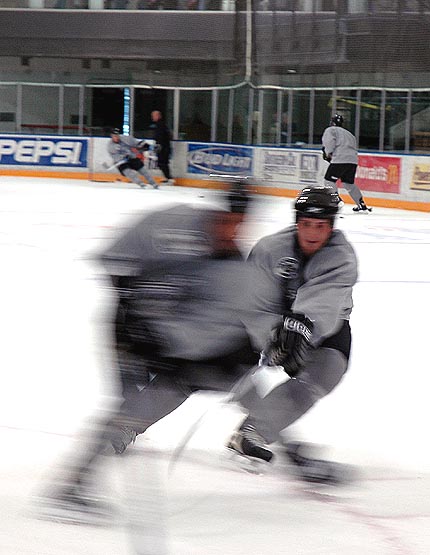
(203,158)
(37,151)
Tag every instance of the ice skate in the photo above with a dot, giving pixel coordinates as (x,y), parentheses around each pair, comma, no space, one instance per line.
(310,468)
(362,207)
(72,506)
(247,441)
(121,438)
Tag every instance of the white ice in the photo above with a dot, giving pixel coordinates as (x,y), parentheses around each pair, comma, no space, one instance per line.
(55,360)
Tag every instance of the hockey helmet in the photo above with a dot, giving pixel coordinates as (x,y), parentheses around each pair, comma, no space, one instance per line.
(115,131)
(337,120)
(238,197)
(318,202)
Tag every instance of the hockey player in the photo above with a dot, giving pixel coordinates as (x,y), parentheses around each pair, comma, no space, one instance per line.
(314,267)
(177,271)
(127,153)
(186,321)
(340,150)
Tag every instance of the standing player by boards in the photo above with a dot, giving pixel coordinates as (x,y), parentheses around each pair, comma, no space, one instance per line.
(127,155)
(314,268)
(340,150)
(162,138)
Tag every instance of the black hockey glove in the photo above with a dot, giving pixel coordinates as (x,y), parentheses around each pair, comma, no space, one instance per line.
(326,157)
(143,147)
(289,344)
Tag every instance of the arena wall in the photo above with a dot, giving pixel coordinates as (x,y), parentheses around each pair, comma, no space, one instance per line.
(389,180)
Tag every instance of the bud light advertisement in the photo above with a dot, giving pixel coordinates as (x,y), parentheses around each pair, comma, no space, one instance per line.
(218,159)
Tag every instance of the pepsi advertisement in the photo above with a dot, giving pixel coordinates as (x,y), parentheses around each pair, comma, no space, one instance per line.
(36,151)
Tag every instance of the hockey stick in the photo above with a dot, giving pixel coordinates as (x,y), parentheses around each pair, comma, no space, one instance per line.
(263,378)
(106,166)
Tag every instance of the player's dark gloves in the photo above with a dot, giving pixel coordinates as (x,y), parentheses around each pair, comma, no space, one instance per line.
(143,147)
(326,157)
(289,344)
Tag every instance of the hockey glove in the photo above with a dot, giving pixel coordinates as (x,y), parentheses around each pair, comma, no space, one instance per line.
(326,157)
(143,147)
(290,343)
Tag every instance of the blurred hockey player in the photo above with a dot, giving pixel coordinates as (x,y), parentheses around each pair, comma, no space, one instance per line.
(314,268)
(177,271)
(127,154)
(340,150)
(186,321)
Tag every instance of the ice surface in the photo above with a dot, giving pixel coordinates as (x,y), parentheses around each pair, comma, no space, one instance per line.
(55,365)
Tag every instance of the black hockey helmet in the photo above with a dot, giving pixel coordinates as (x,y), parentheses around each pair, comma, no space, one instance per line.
(318,202)
(236,192)
(337,120)
(238,197)
(115,131)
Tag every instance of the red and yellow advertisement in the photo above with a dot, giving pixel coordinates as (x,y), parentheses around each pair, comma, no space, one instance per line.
(421,177)
(378,173)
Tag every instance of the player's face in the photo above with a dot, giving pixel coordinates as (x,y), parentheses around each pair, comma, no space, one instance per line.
(225,229)
(313,234)
(115,138)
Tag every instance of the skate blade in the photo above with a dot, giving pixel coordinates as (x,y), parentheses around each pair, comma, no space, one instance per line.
(247,464)
(329,474)
(63,513)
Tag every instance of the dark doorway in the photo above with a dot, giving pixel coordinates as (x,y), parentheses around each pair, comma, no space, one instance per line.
(107,109)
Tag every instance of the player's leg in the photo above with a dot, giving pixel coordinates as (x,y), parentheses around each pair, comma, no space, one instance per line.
(128,170)
(133,176)
(287,402)
(330,179)
(348,182)
(75,495)
(355,193)
(143,171)
(143,406)
(132,169)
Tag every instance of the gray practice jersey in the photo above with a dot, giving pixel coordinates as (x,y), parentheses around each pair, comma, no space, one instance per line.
(199,301)
(341,145)
(124,148)
(319,287)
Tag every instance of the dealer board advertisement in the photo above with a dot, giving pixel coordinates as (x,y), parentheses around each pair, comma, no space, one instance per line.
(421,177)
(378,173)
(287,167)
(208,159)
(24,150)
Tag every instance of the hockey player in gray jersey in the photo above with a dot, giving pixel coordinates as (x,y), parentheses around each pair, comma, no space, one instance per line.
(314,268)
(186,321)
(340,150)
(126,152)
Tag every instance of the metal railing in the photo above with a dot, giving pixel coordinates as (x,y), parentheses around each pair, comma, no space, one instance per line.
(188,5)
